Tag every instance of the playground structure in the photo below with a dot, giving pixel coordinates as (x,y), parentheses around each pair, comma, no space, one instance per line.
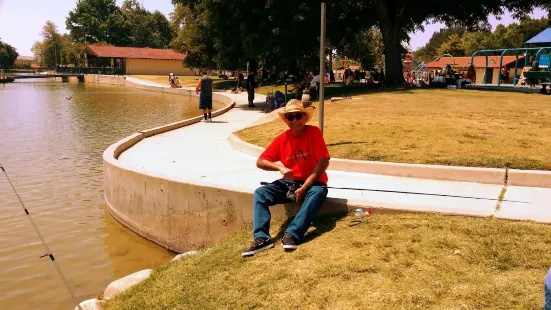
(543,59)
(488,65)
(542,43)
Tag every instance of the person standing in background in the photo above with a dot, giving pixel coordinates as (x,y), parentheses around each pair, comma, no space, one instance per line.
(204,89)
(251,85)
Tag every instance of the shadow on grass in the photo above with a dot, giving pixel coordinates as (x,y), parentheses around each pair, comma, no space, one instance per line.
(330,90)
(321,224)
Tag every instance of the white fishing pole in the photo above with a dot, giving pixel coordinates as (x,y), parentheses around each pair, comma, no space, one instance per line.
(48,252)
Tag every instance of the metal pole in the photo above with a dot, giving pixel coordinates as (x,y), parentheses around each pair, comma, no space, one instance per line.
(322,65)
(285,103)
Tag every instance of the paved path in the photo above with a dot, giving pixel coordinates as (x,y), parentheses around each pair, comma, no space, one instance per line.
(202,153)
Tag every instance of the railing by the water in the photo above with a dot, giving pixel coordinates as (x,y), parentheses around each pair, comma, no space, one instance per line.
(90,70)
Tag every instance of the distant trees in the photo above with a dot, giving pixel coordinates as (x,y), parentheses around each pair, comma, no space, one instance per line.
(97,21)
(8,55)
(459,42)
(94,21)
(368,48)
(48,51)
(146,29)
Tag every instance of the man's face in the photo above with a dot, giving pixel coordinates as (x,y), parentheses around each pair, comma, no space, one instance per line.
(295,120)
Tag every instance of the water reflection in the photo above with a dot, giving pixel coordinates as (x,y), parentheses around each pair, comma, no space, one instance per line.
(52,149)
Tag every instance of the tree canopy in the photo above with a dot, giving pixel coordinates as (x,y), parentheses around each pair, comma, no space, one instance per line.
(226,33)
(49,50)
(94,21)
(8,55)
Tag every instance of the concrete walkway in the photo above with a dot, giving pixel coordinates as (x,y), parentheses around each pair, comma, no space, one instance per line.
(201,153)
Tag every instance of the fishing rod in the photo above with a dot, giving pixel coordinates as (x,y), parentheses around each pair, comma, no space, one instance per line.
(413,193)
(48,252)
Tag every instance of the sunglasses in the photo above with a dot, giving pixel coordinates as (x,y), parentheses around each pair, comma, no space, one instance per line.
(291,117)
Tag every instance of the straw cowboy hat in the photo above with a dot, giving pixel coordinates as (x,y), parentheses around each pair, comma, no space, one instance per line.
(295,105)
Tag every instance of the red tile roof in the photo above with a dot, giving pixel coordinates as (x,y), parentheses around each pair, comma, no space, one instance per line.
(134,52)
(479,61)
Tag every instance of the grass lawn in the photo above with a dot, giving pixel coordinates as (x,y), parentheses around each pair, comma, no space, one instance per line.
(430,126)
(392,261)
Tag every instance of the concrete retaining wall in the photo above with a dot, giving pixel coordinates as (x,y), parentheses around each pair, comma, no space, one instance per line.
(176,215)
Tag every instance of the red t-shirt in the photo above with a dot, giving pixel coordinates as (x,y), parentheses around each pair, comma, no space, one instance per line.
(300,154)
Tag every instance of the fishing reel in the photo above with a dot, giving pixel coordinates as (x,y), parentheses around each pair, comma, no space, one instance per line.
(291,192)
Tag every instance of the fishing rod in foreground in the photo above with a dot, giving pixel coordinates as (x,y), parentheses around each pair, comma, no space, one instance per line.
(414,193)
(48,252)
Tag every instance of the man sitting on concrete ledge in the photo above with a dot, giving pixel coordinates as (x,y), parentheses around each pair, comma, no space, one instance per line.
(304,157)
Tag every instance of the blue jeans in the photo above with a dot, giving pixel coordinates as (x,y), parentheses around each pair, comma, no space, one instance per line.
(547,291)
(276,193)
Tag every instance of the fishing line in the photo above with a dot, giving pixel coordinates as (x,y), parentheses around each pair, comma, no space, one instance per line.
(48,252)
(414,193)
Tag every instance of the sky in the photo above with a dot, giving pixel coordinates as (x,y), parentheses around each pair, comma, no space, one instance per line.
(21,21)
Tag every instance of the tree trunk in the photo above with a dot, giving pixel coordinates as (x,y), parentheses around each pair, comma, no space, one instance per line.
(389,22)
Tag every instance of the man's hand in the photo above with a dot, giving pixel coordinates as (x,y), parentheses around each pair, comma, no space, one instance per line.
(300,193)
(286,172)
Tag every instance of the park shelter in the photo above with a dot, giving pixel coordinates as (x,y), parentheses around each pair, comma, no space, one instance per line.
(541,39)
(135,60)
(461,64)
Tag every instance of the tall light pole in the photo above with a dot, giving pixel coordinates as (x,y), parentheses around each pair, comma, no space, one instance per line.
(322,65)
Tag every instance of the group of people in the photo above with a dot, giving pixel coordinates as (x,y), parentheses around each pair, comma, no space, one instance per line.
(448,76)
(310,85)
(174,81)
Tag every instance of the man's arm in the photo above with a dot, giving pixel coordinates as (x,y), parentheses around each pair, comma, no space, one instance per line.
(271,166)
(198,86)
(322,165)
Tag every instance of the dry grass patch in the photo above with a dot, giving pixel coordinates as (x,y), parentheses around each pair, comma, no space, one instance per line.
(459,128)
(393,261)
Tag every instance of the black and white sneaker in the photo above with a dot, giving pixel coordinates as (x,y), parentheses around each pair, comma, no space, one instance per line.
(259,245)
(288,242)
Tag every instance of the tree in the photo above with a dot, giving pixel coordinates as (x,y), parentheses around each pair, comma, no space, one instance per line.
(8,55)
(429,51)
(477,40)
(394,15)
(368,48)
(48,51)
(146,29)
(97,21)
(71,51)
(227,33)
(452,46)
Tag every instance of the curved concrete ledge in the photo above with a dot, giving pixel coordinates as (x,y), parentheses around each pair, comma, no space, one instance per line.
(433,172)
(133,197)
(532,178)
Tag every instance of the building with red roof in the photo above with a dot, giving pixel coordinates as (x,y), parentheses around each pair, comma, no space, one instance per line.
(136,60)
(460,64)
